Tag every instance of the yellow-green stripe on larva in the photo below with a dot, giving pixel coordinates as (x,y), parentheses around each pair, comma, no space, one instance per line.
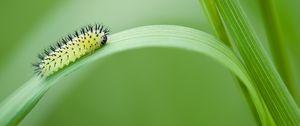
(71,48)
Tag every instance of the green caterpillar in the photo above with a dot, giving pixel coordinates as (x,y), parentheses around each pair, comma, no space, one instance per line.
(71,48)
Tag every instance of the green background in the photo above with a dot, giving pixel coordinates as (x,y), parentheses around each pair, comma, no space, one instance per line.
(143,87)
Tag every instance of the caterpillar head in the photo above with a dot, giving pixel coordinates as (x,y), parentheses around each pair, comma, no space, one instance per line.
(104,39)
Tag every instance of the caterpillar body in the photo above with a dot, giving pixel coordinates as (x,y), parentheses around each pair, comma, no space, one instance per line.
(71,48)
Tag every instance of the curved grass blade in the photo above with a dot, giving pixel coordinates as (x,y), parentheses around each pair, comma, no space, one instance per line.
(15,107)
(267,80)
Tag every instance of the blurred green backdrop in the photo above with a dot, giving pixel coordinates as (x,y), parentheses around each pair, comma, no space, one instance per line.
(153,86)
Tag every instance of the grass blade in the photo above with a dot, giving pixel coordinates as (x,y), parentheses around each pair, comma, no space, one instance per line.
(267,80)
(218,26)
(13,109)
(277,44)
(215,20)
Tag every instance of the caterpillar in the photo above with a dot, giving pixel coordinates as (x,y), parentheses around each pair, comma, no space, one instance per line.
(70,48)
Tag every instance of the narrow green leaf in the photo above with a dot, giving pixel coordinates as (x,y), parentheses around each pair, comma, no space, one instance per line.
(278,44)
(215,20)
(267,80)
(15,107)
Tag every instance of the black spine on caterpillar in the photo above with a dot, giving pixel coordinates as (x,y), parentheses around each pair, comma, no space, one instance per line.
(70,48)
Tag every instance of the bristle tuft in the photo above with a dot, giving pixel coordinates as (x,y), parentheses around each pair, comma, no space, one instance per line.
(70,48)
